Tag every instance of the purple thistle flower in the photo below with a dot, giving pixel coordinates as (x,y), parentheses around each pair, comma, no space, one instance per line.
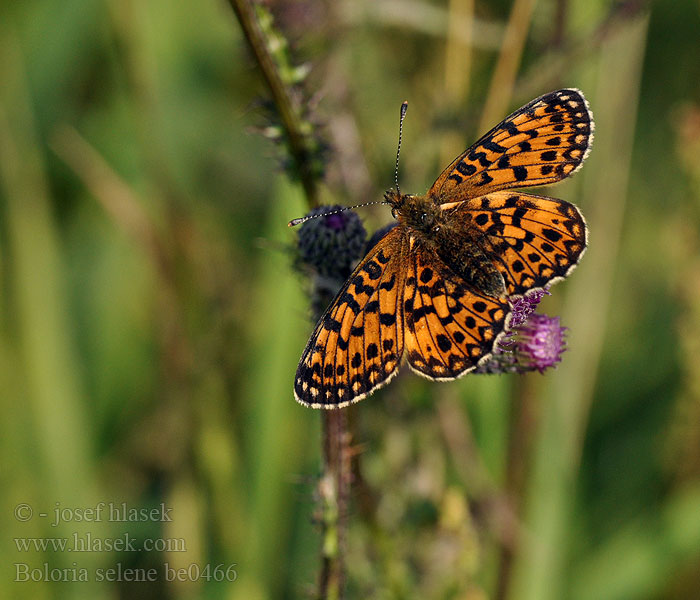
(539,343)
(328,248)
(336,221)
(524,306)
(332,243)
(534,342)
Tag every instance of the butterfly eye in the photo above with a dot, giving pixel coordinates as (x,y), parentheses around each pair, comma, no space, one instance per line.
(422,217)
(394,213)
(436,228)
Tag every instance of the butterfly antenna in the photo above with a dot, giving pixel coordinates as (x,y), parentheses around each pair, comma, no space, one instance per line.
(300,220)
(404,108)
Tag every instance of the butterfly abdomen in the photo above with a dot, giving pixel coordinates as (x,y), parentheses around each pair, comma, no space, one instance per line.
(465,251)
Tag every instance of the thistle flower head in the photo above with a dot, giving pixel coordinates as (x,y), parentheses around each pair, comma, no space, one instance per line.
(539,343)
(524,306)
(331,244)
(534,341)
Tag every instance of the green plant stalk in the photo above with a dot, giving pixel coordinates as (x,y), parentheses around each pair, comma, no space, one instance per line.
(291,121)
(334,494)
(334,484)
(503,79)
(525,414)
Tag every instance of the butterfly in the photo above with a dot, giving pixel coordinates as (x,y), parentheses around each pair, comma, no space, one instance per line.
(436,288)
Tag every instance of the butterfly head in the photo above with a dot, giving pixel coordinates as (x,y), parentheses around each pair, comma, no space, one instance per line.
(393,198)
(417,212)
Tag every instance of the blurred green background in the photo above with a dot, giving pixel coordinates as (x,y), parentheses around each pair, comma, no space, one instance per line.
(150,321)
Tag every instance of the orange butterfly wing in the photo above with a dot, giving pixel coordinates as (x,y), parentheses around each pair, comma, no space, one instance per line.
(450,327)
(540,143)
(534,240)
(357,344)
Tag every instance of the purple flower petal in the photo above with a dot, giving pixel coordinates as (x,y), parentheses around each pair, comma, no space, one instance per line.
(539,342)
(534,342)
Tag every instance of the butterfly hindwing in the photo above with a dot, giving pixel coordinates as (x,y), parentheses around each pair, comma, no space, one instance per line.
(449,326)
(540,143)
(357,344)
(535,240)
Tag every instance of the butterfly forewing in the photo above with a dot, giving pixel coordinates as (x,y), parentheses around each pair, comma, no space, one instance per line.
(541,143)
(358,342)
(535,240)
(449,326)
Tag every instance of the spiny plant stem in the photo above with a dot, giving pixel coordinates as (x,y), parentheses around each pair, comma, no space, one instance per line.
(334,491)
(290,116)
(334,484)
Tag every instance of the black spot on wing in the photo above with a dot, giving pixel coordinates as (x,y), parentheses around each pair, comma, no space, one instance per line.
(493,146)
(551,234)
(485,179)
(426,275)
(520,173)
(443,342)
(387,319)
(465,168)
(373,270)
(350,301)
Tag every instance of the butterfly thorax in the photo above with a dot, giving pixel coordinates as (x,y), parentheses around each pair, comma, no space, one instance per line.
(449,233)
(419,213)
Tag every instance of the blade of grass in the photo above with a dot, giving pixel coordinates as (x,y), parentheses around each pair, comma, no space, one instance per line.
(458,48)
(51,368)
(653,546)
(503,79)
(458,62)
(276,426)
